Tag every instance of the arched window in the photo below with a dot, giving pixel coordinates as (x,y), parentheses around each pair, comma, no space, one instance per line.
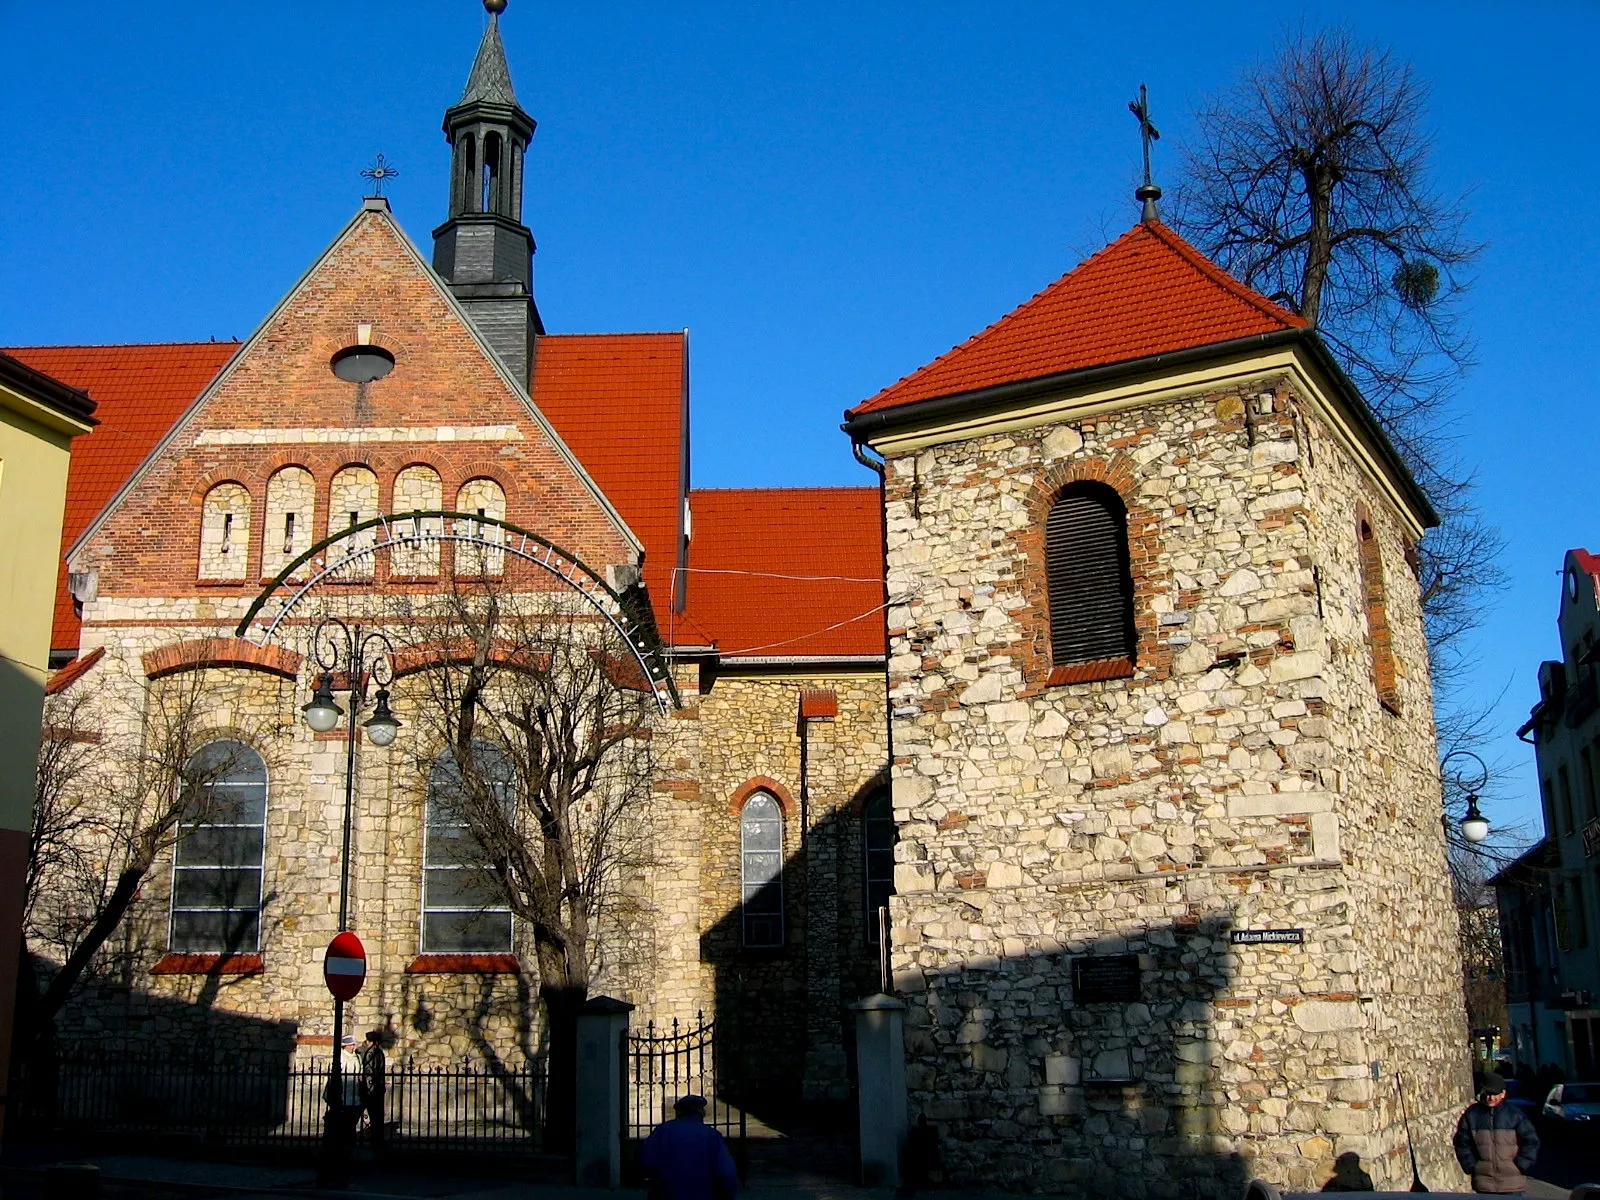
(464,909)
(352,499)
(417,489)
(225,532)
(216,868)
(761,866)
(878,836)
(1091,586)
(491,173)
(291,505)
(485,498)
(1379,643)
(469,172)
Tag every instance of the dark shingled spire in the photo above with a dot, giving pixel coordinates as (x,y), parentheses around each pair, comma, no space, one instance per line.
(484,251)
(490,81)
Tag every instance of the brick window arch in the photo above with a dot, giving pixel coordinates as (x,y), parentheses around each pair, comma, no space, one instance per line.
(352,499)
(291,508)
(1090,583)
(225,533)
(1380,644)
(417,488)
(761,870)
(486,498)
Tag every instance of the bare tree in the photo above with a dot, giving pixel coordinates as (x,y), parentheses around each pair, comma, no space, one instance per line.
(548,722)
(1310,181)
(107,807)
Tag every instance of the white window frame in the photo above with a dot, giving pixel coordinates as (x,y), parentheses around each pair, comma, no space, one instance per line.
(261,871)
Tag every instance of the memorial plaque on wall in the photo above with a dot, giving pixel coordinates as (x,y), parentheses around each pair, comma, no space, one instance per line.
(1106,979)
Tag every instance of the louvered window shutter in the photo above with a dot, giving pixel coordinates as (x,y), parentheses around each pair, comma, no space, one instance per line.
(1091,589)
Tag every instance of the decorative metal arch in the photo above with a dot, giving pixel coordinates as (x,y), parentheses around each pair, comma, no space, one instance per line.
(627,612)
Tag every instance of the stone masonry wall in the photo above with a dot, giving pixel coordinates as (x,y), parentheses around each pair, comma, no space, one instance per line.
(1211,791)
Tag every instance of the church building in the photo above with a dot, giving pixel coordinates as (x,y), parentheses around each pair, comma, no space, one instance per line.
(1106,706)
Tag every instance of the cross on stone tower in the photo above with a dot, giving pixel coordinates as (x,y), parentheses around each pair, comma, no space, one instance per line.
(1148,192)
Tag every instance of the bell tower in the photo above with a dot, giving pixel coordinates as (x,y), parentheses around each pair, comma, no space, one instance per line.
(484,251)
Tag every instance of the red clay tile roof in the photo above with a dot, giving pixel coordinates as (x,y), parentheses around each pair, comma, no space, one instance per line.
(617,400)
(1147,293)
(140,391)
(747,540)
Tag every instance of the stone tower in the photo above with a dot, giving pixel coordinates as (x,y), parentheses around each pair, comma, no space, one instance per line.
(1172,903)
(484,251)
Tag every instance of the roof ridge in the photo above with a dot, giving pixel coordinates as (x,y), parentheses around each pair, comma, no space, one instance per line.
(619,333)
(803,487)
(1235,287)
(114,345)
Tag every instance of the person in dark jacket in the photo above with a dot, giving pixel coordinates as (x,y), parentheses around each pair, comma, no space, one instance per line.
(687,1159)
(374,1082)
(1495,1142)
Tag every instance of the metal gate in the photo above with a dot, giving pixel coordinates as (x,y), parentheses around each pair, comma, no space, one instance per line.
(659,1067)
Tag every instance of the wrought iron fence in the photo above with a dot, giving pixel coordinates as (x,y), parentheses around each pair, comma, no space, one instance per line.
(662,1066)
(425,1107)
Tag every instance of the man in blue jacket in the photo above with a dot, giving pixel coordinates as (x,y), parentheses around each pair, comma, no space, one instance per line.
(687,1159)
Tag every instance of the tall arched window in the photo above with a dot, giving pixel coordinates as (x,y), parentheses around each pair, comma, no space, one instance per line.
(225,532)
(417,489)
(469,173)
(491,173)
(878,836)
(484,498)
(1091,585)
(761,868)
(352,499)
(464,909)
(216,869)
(1380,645)
(291,505)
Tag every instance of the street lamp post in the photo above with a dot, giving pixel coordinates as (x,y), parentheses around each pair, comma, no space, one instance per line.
(360,655)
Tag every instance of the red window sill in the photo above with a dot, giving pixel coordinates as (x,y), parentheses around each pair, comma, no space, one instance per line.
(221,583)
(209,964)
(463,964)
(1091,672)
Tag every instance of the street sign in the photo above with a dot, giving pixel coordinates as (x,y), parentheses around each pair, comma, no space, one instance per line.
(344,966)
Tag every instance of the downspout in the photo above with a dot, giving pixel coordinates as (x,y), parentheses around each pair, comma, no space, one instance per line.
(878,467)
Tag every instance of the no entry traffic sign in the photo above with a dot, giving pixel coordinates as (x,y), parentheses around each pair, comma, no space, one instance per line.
(344,966)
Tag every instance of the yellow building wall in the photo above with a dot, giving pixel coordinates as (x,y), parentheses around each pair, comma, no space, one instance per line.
(33,494)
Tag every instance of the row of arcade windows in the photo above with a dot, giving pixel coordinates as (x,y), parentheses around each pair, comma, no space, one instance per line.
(217,867)
(353,498)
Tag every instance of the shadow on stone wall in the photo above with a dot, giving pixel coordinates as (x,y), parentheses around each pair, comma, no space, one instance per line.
(1032,1083)
(782,1016)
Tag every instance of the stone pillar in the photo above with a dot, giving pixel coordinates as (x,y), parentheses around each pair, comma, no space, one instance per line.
(602,1030)
(881,1087)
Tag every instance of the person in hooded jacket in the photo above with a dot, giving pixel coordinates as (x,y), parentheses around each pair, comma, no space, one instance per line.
(1495,1142)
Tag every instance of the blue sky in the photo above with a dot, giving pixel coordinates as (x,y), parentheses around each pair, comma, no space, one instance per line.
(826,195)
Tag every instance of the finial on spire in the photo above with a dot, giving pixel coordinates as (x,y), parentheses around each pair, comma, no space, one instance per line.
(494,7)
(1147,192)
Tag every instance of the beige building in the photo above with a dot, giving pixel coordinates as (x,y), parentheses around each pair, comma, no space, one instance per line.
(39,417)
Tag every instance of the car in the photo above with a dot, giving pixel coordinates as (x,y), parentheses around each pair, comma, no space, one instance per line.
(1572,1108)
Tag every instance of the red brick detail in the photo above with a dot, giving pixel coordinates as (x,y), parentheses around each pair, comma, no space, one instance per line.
(762,783)
(463,964)
(1119,474)
(73,671)
(202,653)
(952,821)
(968,880)
(209,964)
(679,789)
(1380,642)
(61,733)
(313,1039)
(1091,672)
(819,704)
